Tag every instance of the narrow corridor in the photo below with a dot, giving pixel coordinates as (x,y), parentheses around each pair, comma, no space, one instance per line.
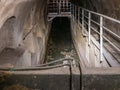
(60,43)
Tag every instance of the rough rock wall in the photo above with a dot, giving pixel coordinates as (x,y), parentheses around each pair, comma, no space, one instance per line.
(23,25)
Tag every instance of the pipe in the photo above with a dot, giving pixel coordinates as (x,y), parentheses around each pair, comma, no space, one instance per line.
(33,68)
(56,61)
(42,65)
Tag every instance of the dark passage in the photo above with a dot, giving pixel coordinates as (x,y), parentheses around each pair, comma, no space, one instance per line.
(60,41)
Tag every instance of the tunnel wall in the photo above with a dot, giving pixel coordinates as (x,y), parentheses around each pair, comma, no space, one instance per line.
(23,27)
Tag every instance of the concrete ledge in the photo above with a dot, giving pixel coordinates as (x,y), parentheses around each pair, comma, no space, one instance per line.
(52,79)
(101,82)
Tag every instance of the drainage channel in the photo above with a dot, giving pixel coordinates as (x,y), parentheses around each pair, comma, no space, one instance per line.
(60,43)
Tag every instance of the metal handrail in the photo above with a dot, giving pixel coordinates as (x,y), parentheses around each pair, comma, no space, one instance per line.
(60,6)
(95,22)
(79,14)
(111,43)
(111,32)
(95,30)
(104,16)
(100,32)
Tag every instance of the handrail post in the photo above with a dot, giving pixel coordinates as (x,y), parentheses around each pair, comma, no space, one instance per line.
(89,28)
(83,21)
(59,7)
(101,39)
(75,12)
(78,14)
(70,8)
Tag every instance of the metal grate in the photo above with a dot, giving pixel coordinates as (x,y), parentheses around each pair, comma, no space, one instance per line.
(59,6)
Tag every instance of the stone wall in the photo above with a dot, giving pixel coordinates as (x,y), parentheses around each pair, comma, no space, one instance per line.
(23,24)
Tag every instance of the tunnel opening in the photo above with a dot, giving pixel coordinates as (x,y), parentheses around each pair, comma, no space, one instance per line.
(60,43)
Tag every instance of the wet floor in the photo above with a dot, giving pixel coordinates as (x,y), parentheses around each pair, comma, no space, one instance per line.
(60,42)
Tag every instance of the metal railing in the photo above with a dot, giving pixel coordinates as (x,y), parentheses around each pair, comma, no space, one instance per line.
(59,6)
(89,20)
(85,17)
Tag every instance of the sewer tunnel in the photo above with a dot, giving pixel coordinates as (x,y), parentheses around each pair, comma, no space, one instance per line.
(59,45)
